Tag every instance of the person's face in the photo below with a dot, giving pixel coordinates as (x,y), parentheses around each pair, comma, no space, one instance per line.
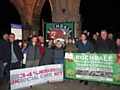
(110,36)
(24,44)
(50,41)
(5,36)
(42,39)
(94,36)
(39,37)
(69,41)
(66,41)
(34,39)
(118,42)
(58,44)
(33,32)
(83,37)
(103,34)
(11,38)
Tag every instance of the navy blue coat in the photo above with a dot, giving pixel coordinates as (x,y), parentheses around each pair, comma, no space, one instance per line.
(83,48)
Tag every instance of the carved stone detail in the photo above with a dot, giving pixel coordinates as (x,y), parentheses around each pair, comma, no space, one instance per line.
(70,14)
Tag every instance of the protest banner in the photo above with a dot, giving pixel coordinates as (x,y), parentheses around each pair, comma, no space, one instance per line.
(62,30)
(93,67)
(24,78)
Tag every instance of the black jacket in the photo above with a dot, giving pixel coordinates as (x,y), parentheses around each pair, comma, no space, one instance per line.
(4,48)
(17,50)
(47,57)
(105,46)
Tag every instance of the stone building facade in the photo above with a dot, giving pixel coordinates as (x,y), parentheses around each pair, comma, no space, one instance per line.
(62,11)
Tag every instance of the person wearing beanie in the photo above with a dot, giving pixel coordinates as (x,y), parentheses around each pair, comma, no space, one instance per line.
(4,35)
(4,57)
(70,48)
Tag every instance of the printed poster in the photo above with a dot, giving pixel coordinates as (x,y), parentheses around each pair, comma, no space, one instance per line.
(94,67)
(17,30)
(26,77)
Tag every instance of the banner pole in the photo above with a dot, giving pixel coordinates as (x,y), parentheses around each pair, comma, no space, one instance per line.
(43,27)
(75,30)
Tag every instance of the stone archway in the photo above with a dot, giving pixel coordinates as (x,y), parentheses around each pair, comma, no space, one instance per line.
(62,11)
(29,11)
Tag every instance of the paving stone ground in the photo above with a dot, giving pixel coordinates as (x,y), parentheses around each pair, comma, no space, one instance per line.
(67,85)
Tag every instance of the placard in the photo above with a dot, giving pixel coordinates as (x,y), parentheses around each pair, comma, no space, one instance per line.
(94,67)
(17,30)
(23,78)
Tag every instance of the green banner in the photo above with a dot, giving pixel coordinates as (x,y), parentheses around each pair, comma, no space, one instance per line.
(94,67)
(62,30)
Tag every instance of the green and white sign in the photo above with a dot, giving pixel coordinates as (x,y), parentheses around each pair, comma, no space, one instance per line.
(93,67)
(62,30)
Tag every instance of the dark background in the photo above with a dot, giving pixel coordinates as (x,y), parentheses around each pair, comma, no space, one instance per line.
(96,15)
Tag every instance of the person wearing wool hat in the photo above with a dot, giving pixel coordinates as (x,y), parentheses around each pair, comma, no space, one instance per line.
(70,38)
(4,57)
(6,49)
(5,36)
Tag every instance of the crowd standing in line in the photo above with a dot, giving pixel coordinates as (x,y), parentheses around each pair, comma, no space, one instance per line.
(39,52)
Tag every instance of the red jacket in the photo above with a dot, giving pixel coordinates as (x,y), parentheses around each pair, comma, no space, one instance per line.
(41,48)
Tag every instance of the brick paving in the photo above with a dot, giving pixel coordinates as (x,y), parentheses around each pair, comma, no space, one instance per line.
(67,85)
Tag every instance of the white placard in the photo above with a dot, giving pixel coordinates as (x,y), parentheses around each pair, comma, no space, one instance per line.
(17,30)
(69,55)
(23,78)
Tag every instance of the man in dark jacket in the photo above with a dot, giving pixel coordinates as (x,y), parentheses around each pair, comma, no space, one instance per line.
(4,58)
(15,52)
(105,45)
(47,57)
(84,46)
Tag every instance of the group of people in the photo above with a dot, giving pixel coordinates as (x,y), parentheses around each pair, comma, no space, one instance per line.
(38,52)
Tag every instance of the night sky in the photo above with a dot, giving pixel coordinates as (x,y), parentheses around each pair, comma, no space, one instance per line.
(96,15)
(99,14)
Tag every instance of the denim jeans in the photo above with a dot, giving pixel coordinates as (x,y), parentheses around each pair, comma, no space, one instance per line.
(58,61)
(2,69)
(7,73)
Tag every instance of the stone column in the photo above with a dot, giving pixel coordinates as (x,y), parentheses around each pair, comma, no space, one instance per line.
(67,11)
(28,29)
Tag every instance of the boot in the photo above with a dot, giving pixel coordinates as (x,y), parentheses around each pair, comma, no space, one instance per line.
(81,81)
(86,83)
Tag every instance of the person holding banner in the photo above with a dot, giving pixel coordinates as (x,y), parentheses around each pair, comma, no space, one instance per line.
(16,55)
(70,48)
(84,46)
(118,44)
(58,53)
(33,53)
(15,52)
(105,46)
